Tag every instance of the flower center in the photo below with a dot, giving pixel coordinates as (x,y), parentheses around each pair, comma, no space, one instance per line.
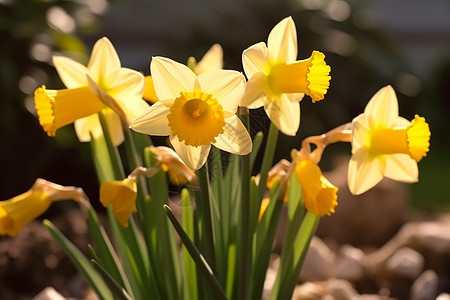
(309,76)
(196,118)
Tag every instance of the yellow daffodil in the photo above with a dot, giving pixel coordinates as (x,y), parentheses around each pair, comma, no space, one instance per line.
(212,60)
(22,209)
(196,111)
(103,81)
(121,194)
(384,144)
(319,195)
(278,81)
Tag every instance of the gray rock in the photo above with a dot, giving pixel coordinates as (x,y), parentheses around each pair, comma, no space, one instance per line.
(425,287)
(349,263)
(406,263)
(318,262)
(49,293)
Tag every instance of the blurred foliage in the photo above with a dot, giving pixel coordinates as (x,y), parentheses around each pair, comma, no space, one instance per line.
(362,57)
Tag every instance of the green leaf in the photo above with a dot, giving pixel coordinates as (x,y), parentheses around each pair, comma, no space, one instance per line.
(118,291)
(198,258)
(81,263)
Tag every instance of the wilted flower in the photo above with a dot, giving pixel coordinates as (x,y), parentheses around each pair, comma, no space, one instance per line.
(22,209)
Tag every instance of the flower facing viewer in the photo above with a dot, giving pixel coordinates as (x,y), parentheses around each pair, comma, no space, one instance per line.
(212,60)
(196,111)
(102,84)
(278,81)
(384,144)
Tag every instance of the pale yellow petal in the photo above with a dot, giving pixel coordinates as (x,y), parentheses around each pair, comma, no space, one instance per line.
(114,126)
(383,108)
(360,132)
(154,122)
(213,59)
(254,96)
(193,157)
(91,125)
(170,78)
(282,42)
(104,61)
(364,172)
(86,126)
(255,59)
(284,113)
(127,84)
(401,167)
(235,138)
(226,86)
(72,73)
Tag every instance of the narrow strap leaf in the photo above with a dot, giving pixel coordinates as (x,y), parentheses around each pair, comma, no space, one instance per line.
(81,263)
(118,291)
(202,264)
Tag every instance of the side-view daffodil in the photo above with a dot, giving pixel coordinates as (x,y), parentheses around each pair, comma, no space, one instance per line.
(18,211)
(196,111)
(278,81)
(103,84)
(319,195)
(212,60)
(384,144)
(121,194)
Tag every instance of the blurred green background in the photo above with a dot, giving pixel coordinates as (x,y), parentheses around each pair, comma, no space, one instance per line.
(368,44)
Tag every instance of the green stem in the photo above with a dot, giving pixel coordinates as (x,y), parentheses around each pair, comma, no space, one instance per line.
(245,221)
(116,161)
(267,161)
(204,208)
(196,256)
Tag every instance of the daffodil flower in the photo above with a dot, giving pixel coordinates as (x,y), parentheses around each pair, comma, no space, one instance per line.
(212,60)
(278,81)
(18,211)
(319,195)
(384,144)
(89,88)
(121,195)
(196,111)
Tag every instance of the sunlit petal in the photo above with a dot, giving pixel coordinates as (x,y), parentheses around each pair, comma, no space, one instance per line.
(86,126)
(193,157)
(154,122)
(282,42)
(254,96)
(213,59)
(170,78)
(72,73)
(104,62)
(364,172)
(235,138)
(383,108)
(255,59)
(226,86)
(284,113)
(401,167)
(360,131)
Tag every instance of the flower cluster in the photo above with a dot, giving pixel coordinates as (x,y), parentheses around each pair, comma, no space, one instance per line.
(229,218)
